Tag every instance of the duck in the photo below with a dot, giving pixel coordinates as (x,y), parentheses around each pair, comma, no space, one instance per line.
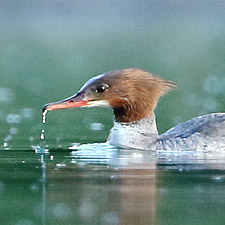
(133,95)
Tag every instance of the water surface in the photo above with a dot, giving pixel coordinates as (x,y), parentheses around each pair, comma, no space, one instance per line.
(103,185)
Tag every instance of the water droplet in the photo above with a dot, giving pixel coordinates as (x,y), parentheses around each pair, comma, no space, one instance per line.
(42,134)
(44,114)
(43,148)
(6,145)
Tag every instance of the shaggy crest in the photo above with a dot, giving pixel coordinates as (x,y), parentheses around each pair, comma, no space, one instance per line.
(134,93)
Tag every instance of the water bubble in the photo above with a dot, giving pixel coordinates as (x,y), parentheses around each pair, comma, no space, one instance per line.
(13,130)
(96,126)
(27,113)
(13,118)
(6,95)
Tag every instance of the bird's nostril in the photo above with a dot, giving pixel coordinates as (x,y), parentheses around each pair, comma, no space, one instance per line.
(71,101)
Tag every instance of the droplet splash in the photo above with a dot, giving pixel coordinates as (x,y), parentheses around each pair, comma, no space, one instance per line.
(6,146)
(6,142)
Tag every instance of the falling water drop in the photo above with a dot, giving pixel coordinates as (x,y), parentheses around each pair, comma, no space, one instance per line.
(43,147)
(44,116)
(42,134)
(42,137)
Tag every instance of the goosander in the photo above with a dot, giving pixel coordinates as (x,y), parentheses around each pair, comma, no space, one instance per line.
(133,95)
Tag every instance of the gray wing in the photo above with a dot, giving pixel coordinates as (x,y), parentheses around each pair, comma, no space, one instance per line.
(201,133)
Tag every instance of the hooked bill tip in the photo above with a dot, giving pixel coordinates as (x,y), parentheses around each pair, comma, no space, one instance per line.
(45,108)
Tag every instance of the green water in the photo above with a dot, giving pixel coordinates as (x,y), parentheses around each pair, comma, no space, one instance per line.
(48,49)
(65,187)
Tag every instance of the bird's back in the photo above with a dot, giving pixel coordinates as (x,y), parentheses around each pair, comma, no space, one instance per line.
(204,133)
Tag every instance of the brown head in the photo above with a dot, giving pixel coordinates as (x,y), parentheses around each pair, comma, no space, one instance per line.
(131,93)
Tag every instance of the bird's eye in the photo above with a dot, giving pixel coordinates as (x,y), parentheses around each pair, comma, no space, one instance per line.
(101,88)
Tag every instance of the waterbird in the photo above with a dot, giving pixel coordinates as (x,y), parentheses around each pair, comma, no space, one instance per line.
(133,95)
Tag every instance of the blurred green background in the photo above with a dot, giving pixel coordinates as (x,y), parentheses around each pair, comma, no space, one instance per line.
(48,50)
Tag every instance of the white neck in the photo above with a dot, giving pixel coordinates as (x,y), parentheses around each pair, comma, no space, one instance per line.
(141,134)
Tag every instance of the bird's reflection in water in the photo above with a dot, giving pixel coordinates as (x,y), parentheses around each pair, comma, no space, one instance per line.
(135,176)
(99,184)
